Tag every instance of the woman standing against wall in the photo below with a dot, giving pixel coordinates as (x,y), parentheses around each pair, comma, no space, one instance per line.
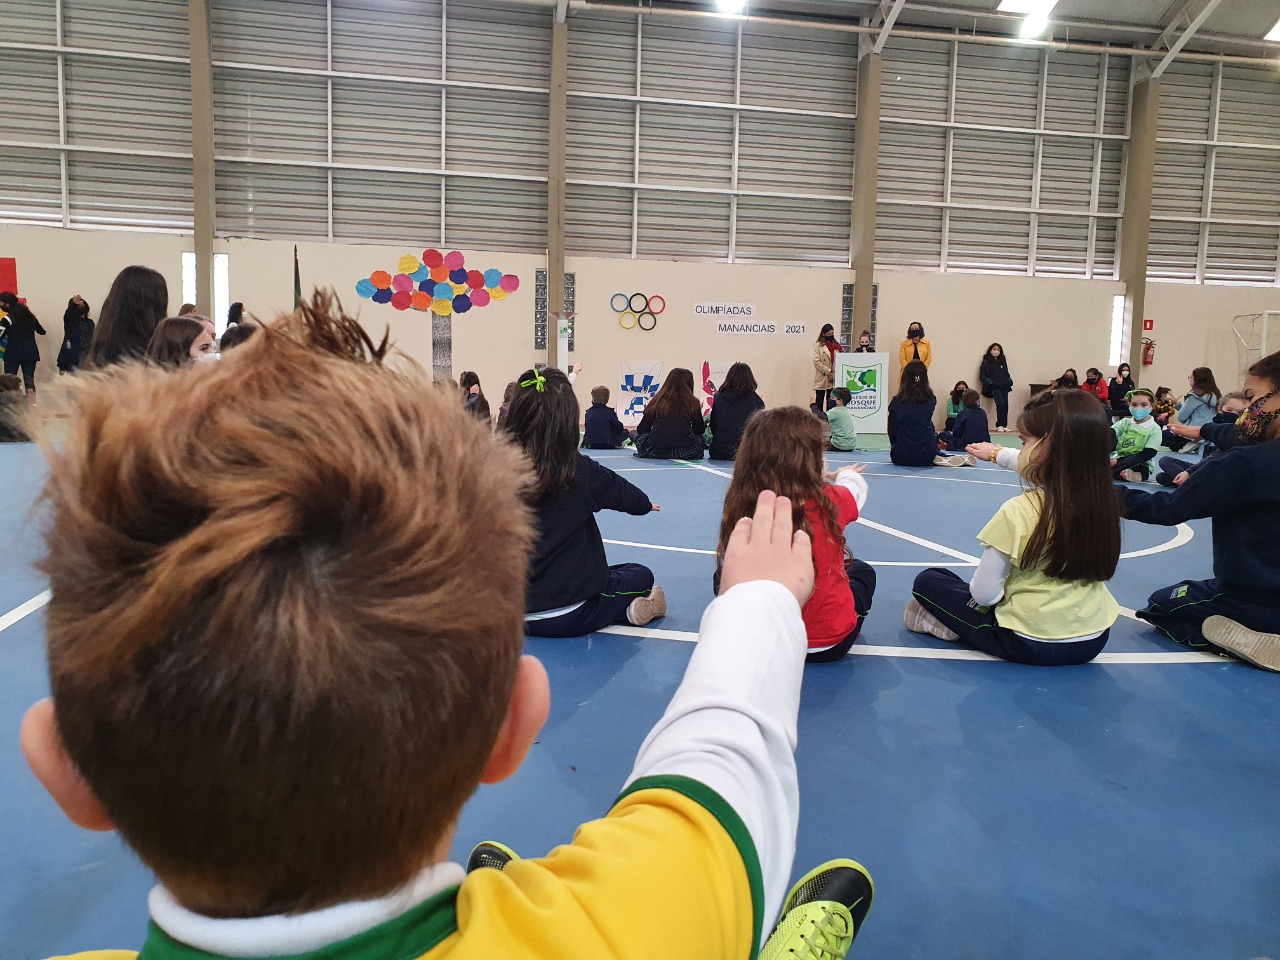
(915,347)
(996,383)
(138,301)
(824,365)
(22,353)
(77,332)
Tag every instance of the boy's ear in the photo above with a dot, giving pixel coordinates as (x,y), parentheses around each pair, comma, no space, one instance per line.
(48,759)
(530,704)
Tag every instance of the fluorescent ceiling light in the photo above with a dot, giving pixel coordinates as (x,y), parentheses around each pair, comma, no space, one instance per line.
(1036,13)
(1274,34)
(1026,6)
(1033,25)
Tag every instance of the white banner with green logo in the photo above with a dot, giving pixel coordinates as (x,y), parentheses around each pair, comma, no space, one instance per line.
(866,375)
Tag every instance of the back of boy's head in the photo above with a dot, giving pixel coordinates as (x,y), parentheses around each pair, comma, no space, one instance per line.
(10,383)
(842,394)
(599,394)
(971,398)
(269,654)
(237,334)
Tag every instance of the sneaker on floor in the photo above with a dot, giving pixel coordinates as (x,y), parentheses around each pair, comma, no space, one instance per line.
(822,914)
(490,855)
(648,608)
(919,620)
(1252,646)
(952,461)
(970,460)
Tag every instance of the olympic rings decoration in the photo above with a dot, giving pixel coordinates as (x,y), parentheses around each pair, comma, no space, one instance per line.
(625,306)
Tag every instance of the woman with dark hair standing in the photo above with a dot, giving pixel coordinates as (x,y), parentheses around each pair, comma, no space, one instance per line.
(913,442)
(77,333)
(735,402)
(996,383)
(235,313)
(824,365)
(138,300)
(672,426)
(22,352)
(915,347)
(1197,407)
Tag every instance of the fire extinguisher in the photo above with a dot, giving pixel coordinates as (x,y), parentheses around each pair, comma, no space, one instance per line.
(1148,351)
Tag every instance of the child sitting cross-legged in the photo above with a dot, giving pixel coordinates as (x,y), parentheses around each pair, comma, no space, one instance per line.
(573,590)
(602,430)
(1039,595)
(1137,439)
(971,426)
(844,435)
(782,450)
(276,672)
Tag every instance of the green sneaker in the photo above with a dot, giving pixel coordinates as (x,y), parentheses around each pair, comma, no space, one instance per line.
(822,913)
(490,855)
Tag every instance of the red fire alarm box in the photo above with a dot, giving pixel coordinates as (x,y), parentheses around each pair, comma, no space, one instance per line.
(1148,324)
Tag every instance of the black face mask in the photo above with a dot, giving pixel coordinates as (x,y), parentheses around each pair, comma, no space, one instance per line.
(828,337)
(1093,379)
(914,334)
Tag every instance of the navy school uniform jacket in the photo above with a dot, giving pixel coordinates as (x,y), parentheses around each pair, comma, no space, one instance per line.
(971,426)
(729,415)
(1240,492)
(912,439)
(568,563)
(603,430)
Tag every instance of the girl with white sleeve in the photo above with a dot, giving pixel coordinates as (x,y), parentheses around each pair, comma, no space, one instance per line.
(1039,595)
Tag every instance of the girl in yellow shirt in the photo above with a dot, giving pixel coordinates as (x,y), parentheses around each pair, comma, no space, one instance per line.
(1039,595)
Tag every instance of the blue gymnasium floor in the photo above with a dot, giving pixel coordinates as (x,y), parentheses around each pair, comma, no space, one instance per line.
(1124,809)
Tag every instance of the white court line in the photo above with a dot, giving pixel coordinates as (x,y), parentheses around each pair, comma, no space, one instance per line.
(712,553)
(933,653)
(901,535)
(31,606)
(643,469)
(1183,535)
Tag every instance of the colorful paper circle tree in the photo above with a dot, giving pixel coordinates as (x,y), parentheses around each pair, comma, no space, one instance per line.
(437,282)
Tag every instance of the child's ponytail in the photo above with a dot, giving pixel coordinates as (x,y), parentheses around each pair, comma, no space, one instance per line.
(543,418)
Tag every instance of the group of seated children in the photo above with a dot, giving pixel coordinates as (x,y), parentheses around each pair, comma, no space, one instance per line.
(324,680)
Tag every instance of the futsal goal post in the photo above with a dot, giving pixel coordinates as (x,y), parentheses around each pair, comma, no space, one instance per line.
(1257,336)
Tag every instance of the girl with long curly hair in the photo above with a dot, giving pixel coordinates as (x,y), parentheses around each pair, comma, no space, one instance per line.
(782,450)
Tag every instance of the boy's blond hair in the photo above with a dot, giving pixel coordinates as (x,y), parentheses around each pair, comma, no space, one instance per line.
(288,598)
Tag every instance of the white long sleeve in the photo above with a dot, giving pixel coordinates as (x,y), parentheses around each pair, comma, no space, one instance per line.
(1007,457)
(855,483)
(987,585)
(732,723)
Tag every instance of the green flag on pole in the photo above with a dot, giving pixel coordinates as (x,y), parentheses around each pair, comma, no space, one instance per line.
(297,280)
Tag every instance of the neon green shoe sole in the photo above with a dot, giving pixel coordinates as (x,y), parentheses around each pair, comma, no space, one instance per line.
(823,913)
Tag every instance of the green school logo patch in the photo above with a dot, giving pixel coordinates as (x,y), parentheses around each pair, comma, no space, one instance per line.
(863,384)
(1179,593)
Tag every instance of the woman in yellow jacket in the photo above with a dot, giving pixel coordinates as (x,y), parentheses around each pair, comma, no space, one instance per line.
(915,347)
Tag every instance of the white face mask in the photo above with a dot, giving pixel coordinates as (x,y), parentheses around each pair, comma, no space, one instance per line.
(208,357)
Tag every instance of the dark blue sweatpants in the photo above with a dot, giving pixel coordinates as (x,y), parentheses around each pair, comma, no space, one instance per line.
(1179,611)
(626,582)
(947,597)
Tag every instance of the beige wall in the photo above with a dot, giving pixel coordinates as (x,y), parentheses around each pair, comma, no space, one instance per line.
(1045,324)
(1193,328)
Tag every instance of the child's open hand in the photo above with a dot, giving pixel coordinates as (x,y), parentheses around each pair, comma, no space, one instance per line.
(767,547)
(832,475)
